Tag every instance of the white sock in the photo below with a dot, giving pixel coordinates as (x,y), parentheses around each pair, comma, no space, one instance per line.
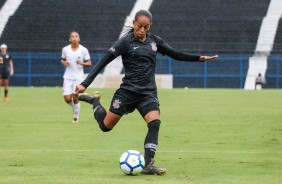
(76,109)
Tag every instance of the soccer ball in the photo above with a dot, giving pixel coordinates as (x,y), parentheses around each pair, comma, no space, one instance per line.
(131,162)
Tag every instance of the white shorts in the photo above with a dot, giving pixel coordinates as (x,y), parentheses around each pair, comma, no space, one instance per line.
(69,86)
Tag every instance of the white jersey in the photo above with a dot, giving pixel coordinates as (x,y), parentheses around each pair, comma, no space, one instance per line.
(74,71)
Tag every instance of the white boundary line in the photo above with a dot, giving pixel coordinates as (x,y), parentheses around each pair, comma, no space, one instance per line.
(112,151)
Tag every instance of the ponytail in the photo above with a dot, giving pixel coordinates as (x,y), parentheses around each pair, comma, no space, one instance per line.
(128,30)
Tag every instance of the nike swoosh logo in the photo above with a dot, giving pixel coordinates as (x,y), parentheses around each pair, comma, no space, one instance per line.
(135,48)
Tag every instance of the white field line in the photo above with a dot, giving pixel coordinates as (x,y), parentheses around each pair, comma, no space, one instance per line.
(112,151)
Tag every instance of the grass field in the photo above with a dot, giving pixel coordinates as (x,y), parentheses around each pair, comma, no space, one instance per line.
(207,136)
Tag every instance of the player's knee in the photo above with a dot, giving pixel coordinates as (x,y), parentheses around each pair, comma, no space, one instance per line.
(68,101)
(75,99)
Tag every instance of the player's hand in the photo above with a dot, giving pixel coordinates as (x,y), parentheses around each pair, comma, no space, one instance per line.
(1,60)
(12,72)
(205,58)
(79,62)
(65,63)
(79,89)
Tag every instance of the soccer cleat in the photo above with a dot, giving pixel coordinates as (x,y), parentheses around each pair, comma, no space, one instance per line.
(89,98)
(75,120)
(6,99)
(153,170)
(97,94)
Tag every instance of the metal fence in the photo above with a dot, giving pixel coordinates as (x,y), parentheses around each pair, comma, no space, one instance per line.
(228,71)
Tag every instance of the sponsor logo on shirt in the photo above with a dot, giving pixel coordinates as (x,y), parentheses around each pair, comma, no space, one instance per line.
(154,46)
(135,47)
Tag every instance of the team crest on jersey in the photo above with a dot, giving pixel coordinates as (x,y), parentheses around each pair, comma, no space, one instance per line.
(154,46)
(116,104)
(7,56)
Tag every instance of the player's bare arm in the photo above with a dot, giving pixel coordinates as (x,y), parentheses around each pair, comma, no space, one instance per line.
(65,63)
(12,67)
(206,58)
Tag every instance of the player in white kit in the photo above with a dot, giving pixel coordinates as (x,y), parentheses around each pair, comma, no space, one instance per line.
(74,58)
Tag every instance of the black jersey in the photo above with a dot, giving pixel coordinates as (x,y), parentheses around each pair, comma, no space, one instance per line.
(6,62)
(139,61)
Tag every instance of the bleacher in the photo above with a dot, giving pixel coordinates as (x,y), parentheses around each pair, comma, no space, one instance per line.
(214,26)
(218,26)
(199,27)
(277,47)
(44,26)
(2,3)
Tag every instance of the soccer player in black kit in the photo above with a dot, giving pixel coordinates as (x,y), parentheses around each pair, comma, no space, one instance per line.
(6,69)
(138,90)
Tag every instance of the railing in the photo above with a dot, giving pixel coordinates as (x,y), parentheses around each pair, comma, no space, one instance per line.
(228,71)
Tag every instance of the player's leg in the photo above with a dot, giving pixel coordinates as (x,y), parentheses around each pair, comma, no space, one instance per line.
(76,108)
(76,103)
(111,120)
(68,99)
(68,94)
(5,77)
(151,114)
(106,120)
(6,88)
(0,85)
(121,104)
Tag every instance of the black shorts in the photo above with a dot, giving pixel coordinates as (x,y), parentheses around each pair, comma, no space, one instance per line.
(125,101)
(4,74)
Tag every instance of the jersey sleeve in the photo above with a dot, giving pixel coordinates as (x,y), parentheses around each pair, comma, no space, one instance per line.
(119,47)
(165,49)
(86,55)
(64,56)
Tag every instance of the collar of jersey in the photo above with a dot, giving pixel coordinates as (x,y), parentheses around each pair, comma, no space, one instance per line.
(136,39)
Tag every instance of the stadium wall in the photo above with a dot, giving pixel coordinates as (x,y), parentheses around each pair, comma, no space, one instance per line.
(228,71)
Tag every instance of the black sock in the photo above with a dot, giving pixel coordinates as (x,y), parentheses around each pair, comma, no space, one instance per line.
(95,102)
(6,93)
(100,114)
(151,140)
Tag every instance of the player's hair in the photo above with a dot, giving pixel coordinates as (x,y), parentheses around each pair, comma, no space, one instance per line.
(145,13)
(138,14)
(73,32)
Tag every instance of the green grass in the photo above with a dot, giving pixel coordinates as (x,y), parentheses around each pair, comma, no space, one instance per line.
(206,136)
